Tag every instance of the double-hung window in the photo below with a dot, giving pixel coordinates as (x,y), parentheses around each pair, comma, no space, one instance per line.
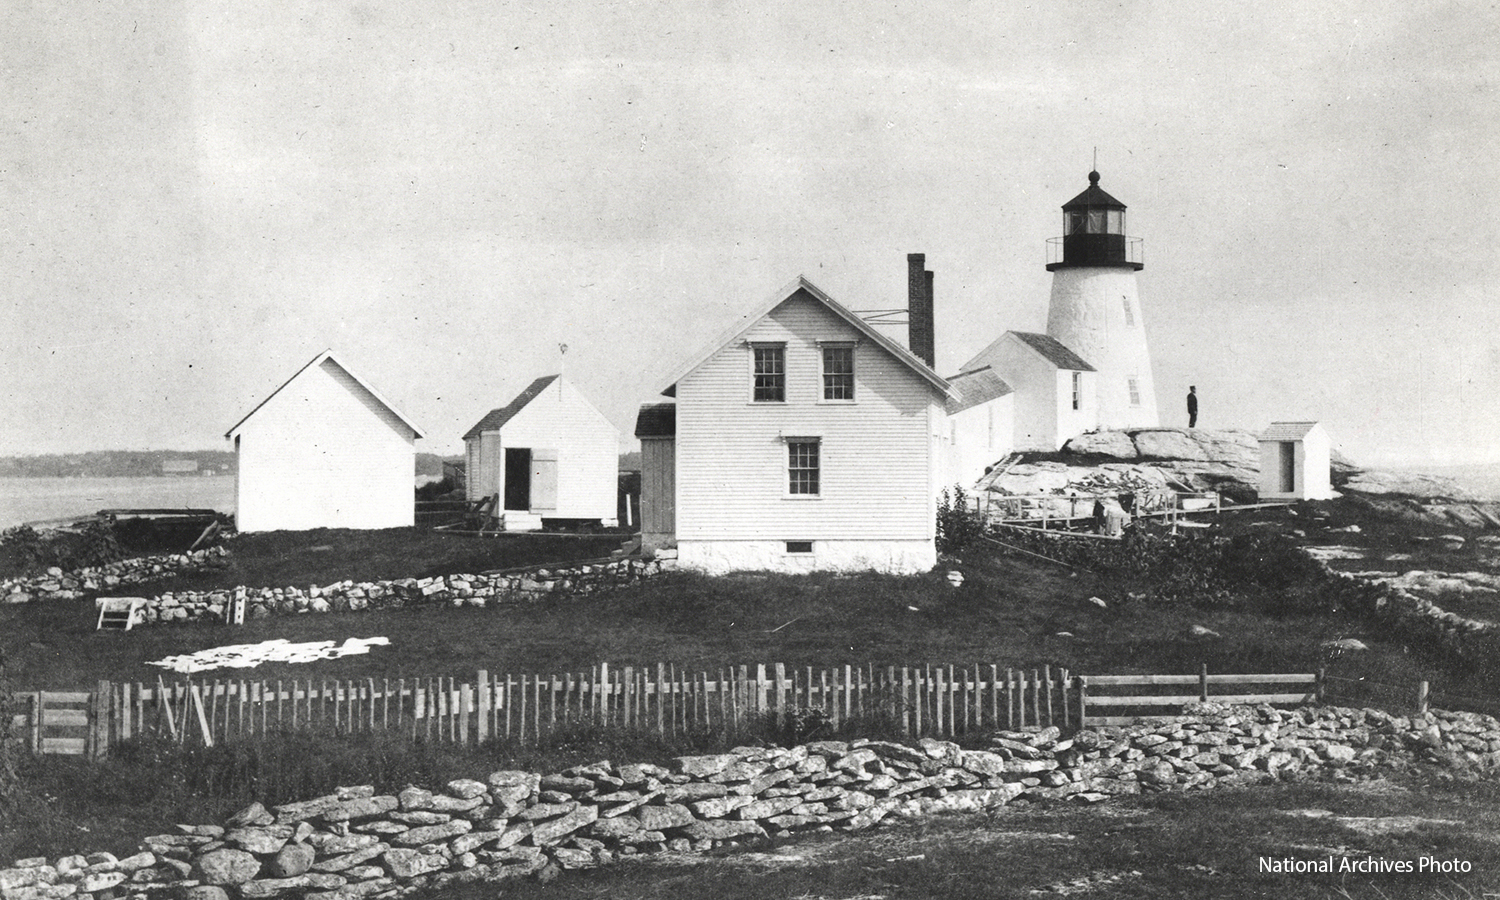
(768,379)
(1134,386)
(804,466)
(1078,390)
(838,372)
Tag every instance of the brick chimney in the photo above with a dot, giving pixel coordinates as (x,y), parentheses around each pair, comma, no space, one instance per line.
(919,328)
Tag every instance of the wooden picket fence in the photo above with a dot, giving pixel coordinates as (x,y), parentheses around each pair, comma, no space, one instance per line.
(938,701)
(928,700)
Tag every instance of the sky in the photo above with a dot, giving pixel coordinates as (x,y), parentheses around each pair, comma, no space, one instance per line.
(198,196)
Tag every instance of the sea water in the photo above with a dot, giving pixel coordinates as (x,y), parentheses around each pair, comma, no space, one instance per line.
(47,499)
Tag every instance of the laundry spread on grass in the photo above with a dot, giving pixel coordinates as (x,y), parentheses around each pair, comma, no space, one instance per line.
(246,656)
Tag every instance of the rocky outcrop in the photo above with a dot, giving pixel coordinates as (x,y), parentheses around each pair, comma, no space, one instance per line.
(355,843)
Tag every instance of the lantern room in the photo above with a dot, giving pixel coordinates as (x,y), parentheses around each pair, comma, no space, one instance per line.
(1093,233)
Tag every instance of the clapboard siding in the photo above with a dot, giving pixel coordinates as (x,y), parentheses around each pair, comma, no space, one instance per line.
(877,453)
(324,452)
(560,418)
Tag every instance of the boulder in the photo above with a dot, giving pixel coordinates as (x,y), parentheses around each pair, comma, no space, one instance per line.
(291,861)
(226,866)
(1116,444)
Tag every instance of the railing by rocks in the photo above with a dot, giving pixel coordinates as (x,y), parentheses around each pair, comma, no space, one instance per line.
(57,584)
(356,843)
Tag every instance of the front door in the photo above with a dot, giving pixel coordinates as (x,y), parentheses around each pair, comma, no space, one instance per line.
(518,478)
(1288,467)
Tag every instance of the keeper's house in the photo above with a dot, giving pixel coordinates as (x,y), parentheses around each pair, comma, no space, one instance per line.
(324,450)
(804,440)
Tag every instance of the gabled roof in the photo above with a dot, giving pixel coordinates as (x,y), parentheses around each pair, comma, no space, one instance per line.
(327,355)
(1287,431)
(1053,351)
(495,419)
(656,420)
(902,355)
(974,387)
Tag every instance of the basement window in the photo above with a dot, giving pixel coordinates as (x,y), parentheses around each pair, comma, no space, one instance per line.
(799,546)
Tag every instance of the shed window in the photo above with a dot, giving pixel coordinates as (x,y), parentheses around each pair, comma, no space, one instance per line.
(770,374)
(838,372)
(803,466)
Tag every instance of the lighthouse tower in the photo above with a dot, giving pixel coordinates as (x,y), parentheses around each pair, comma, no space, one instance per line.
(1095,311)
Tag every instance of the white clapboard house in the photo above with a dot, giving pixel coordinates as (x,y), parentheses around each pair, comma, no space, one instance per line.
(802,439)
(547,454)
(324,450)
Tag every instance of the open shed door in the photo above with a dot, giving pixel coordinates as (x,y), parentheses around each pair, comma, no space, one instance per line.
(544,481)
(1288,467)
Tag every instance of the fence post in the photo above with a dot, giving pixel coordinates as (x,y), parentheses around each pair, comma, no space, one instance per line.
(1422,698)
(99,720)
(1083,702)
(1318,686)
(1203,684)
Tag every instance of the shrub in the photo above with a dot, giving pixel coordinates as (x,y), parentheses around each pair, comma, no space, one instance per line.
(958,525)
(93,545)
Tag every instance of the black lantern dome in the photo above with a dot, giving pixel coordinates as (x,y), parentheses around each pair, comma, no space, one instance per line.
(1094,232)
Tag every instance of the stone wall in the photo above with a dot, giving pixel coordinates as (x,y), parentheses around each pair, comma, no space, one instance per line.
(1412,616)
(354,843)
(59,585)
(458,590)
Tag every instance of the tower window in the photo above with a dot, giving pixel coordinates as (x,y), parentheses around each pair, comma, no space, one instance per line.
(1078,390)
(769,381)
(1135,390)
(1129,313)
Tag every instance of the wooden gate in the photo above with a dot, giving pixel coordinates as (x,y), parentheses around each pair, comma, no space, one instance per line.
(63,722)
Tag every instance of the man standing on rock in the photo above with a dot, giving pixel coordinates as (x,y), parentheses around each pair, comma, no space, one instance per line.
(1192,406)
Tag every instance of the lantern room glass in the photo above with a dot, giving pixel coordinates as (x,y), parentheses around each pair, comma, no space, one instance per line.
(1094,221)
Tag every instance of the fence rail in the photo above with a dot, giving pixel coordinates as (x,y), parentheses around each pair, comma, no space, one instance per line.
(939,701)
(1146,695)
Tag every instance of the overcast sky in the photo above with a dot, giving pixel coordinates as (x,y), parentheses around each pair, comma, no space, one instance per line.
(201,195)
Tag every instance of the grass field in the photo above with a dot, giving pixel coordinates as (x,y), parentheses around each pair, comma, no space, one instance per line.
(1011,611)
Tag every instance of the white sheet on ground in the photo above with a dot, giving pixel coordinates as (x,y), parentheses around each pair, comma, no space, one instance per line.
(246,656)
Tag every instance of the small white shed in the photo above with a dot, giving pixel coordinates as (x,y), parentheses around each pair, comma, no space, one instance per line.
(1294,462)
(324,450)
(981,424)
(1055,390)
(548,453)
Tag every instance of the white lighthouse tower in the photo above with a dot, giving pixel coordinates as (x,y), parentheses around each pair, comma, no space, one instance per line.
(1095,311)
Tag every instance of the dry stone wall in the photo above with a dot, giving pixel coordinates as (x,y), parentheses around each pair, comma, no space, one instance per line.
(56,584)
(457,590)
(195,606)
(355,843)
